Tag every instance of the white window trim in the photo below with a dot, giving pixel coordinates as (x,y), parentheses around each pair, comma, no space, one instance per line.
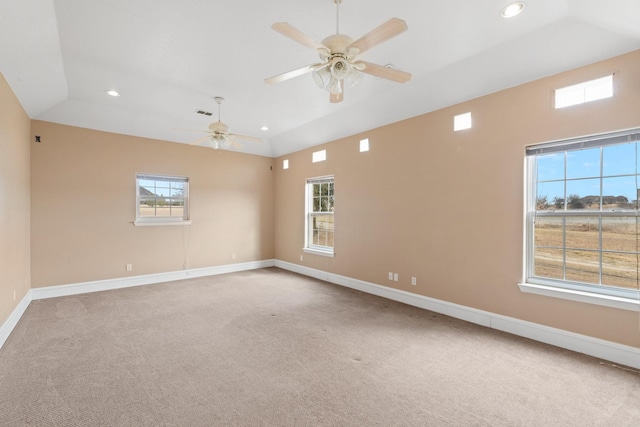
(625,299)
(316,251)
(148,222)
(310,248)
(581,296)
(161,221)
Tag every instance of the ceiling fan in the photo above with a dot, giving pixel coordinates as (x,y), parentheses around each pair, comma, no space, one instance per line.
(338,53)
(219,135)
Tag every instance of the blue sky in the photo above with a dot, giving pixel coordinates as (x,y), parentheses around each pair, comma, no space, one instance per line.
(619,168)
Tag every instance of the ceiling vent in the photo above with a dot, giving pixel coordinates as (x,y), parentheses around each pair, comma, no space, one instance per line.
(204,113)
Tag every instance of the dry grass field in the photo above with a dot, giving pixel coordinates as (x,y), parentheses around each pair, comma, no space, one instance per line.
(162,211)
(619,256)
(323,231)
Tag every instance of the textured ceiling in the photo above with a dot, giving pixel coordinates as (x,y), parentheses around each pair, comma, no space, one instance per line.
(170,58)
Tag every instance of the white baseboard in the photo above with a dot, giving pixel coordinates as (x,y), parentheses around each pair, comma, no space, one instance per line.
(14,317)
(607,350)
(148,279)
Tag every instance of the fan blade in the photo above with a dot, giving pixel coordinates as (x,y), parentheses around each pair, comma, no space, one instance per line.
(294,34)
(385,73)
(234,142)
(192,130)
(334,98)
(290,74)
(384,32)
(200,140)
(245,137)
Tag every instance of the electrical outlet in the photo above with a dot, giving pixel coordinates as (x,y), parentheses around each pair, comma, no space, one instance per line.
(390,276)
(395,277)
(413,281)
(129,267)
(14,294)
(301,258)
(233,256)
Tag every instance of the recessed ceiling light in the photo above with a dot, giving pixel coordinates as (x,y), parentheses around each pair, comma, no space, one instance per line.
(112,92)
(512,10)
(264,128)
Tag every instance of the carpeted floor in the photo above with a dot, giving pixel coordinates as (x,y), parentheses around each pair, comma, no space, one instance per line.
(272,348)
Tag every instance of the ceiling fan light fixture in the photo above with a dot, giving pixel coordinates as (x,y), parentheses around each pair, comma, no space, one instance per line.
(354,78)
(335,87)
(322,77)
(512,9)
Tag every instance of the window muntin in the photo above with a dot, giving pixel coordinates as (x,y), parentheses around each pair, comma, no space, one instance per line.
(583,226)
(162,198)
(319,235)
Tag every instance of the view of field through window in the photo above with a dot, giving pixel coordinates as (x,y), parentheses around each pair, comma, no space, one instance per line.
(161,197)
(322,215)
(585,226)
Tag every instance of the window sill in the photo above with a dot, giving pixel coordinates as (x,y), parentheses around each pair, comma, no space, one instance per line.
(581,296)
(158,223)
(318,252)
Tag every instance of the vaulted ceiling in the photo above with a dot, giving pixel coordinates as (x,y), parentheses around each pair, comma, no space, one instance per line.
(169,58)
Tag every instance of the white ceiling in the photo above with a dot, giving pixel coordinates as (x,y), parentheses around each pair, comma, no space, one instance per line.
(169,58)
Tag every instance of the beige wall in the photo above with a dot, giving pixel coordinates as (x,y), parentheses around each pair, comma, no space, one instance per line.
(427,202)
(15,128)
(447,207)
(83,205)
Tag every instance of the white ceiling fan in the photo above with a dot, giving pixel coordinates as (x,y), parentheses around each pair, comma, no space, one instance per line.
(219,135)
(338,53)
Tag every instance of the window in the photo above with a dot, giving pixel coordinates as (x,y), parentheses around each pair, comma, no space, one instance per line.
(364,145)
(319,156)
(162,199)
(319,216)
(462,122)
(580,93)
(285,164)
(583,227)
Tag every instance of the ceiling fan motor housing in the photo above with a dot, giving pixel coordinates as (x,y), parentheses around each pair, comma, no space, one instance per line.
(218,128)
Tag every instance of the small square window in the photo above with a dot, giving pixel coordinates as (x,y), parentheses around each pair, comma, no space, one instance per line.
(364,145)
(285,164)
(462,122)
(319,156)
(161,199)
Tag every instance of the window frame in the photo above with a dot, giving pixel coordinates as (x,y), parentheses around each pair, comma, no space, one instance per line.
(309,247)
(601,294)
(162,220)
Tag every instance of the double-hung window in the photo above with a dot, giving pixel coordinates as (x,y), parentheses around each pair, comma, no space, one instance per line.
(319,216)
(162,199)
(583,227)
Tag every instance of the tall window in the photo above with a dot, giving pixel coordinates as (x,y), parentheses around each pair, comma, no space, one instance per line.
(319,216)
(582,216)
(162,198)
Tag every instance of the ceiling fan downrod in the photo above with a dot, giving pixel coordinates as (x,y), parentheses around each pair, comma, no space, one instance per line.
(337,2)
(219,100)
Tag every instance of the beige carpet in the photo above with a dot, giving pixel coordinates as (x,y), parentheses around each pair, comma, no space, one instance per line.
(272,348)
